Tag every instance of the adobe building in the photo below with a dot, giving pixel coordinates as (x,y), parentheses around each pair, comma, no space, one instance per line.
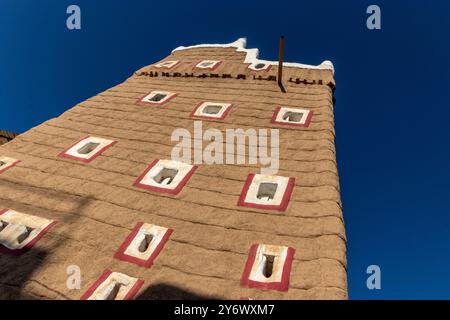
(95,194)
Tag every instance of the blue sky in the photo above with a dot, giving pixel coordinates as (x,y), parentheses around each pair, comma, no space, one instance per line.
(391,111)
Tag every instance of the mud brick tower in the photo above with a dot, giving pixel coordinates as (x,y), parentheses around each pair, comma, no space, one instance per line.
(97,191)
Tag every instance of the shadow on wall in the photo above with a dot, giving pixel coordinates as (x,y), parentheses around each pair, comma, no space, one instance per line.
(162,291)
(16,272)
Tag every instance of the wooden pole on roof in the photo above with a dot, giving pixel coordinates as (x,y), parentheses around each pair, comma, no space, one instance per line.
(280,60)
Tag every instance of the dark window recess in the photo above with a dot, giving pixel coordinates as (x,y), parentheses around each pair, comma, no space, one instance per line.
(268,266)
(206,64)
(114,291)
(211,109)
(24,235)
(293,116)
(145,243)
(165,176)
(88,148)
(158,97)
(2,163)
(267,190)
(3,225)
(259,66)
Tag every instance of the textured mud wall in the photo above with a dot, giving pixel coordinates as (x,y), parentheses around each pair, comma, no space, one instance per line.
(97,206)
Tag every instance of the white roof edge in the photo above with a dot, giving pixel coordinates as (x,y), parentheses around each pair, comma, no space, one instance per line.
(252,55)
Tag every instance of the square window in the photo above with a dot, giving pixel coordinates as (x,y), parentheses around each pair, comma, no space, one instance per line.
(211,110)
(292,116)
(157,97)
(259,66)
(268,267)
(19,232)
(165,176)
(7,163)
(87,149)
(143,244)
(266,192)
(167,64)
(113,286)
(208,64)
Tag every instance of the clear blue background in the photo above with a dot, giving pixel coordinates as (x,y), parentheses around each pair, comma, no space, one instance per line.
(392,109)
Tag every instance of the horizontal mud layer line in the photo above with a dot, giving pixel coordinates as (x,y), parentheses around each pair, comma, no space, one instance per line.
(144,121)
(193,200)
(232,97)
(204,170)
(166,124)
(143,158)
(284,154)
(184,122)
(129,124)
(248,89)
(180,108)
(109,247)
(269,86)
(206,237)
(314,156)
(282,225)
(232,191)
(229,266)
(55,149)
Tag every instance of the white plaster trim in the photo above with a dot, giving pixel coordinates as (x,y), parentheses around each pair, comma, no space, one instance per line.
(252,55)
(167,64)
(283,111)
(211,64)
(17,224)
(105,288)
(102,143)
(201,113)
(257,272)
(252,192)
(183,170)
(147,98)
(146,229)
(8,162)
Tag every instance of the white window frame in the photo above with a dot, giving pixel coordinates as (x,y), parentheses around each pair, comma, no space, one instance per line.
(168,96)
(214,64)
(18,222)
(129,249)
(281,111)
(167,64)
(9,163)
(198,112)
(146,180)
(72,151)
(103,286)
(252,66)
(249,195)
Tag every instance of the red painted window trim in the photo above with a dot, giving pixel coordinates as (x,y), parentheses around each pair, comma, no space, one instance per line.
(305,125)
(120,254)
(214,67)
(224,115)
(175,191)
(10,166)
(140,101)
(283,285)
(281,207)
(92,158)
(29,245)
(130,295)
